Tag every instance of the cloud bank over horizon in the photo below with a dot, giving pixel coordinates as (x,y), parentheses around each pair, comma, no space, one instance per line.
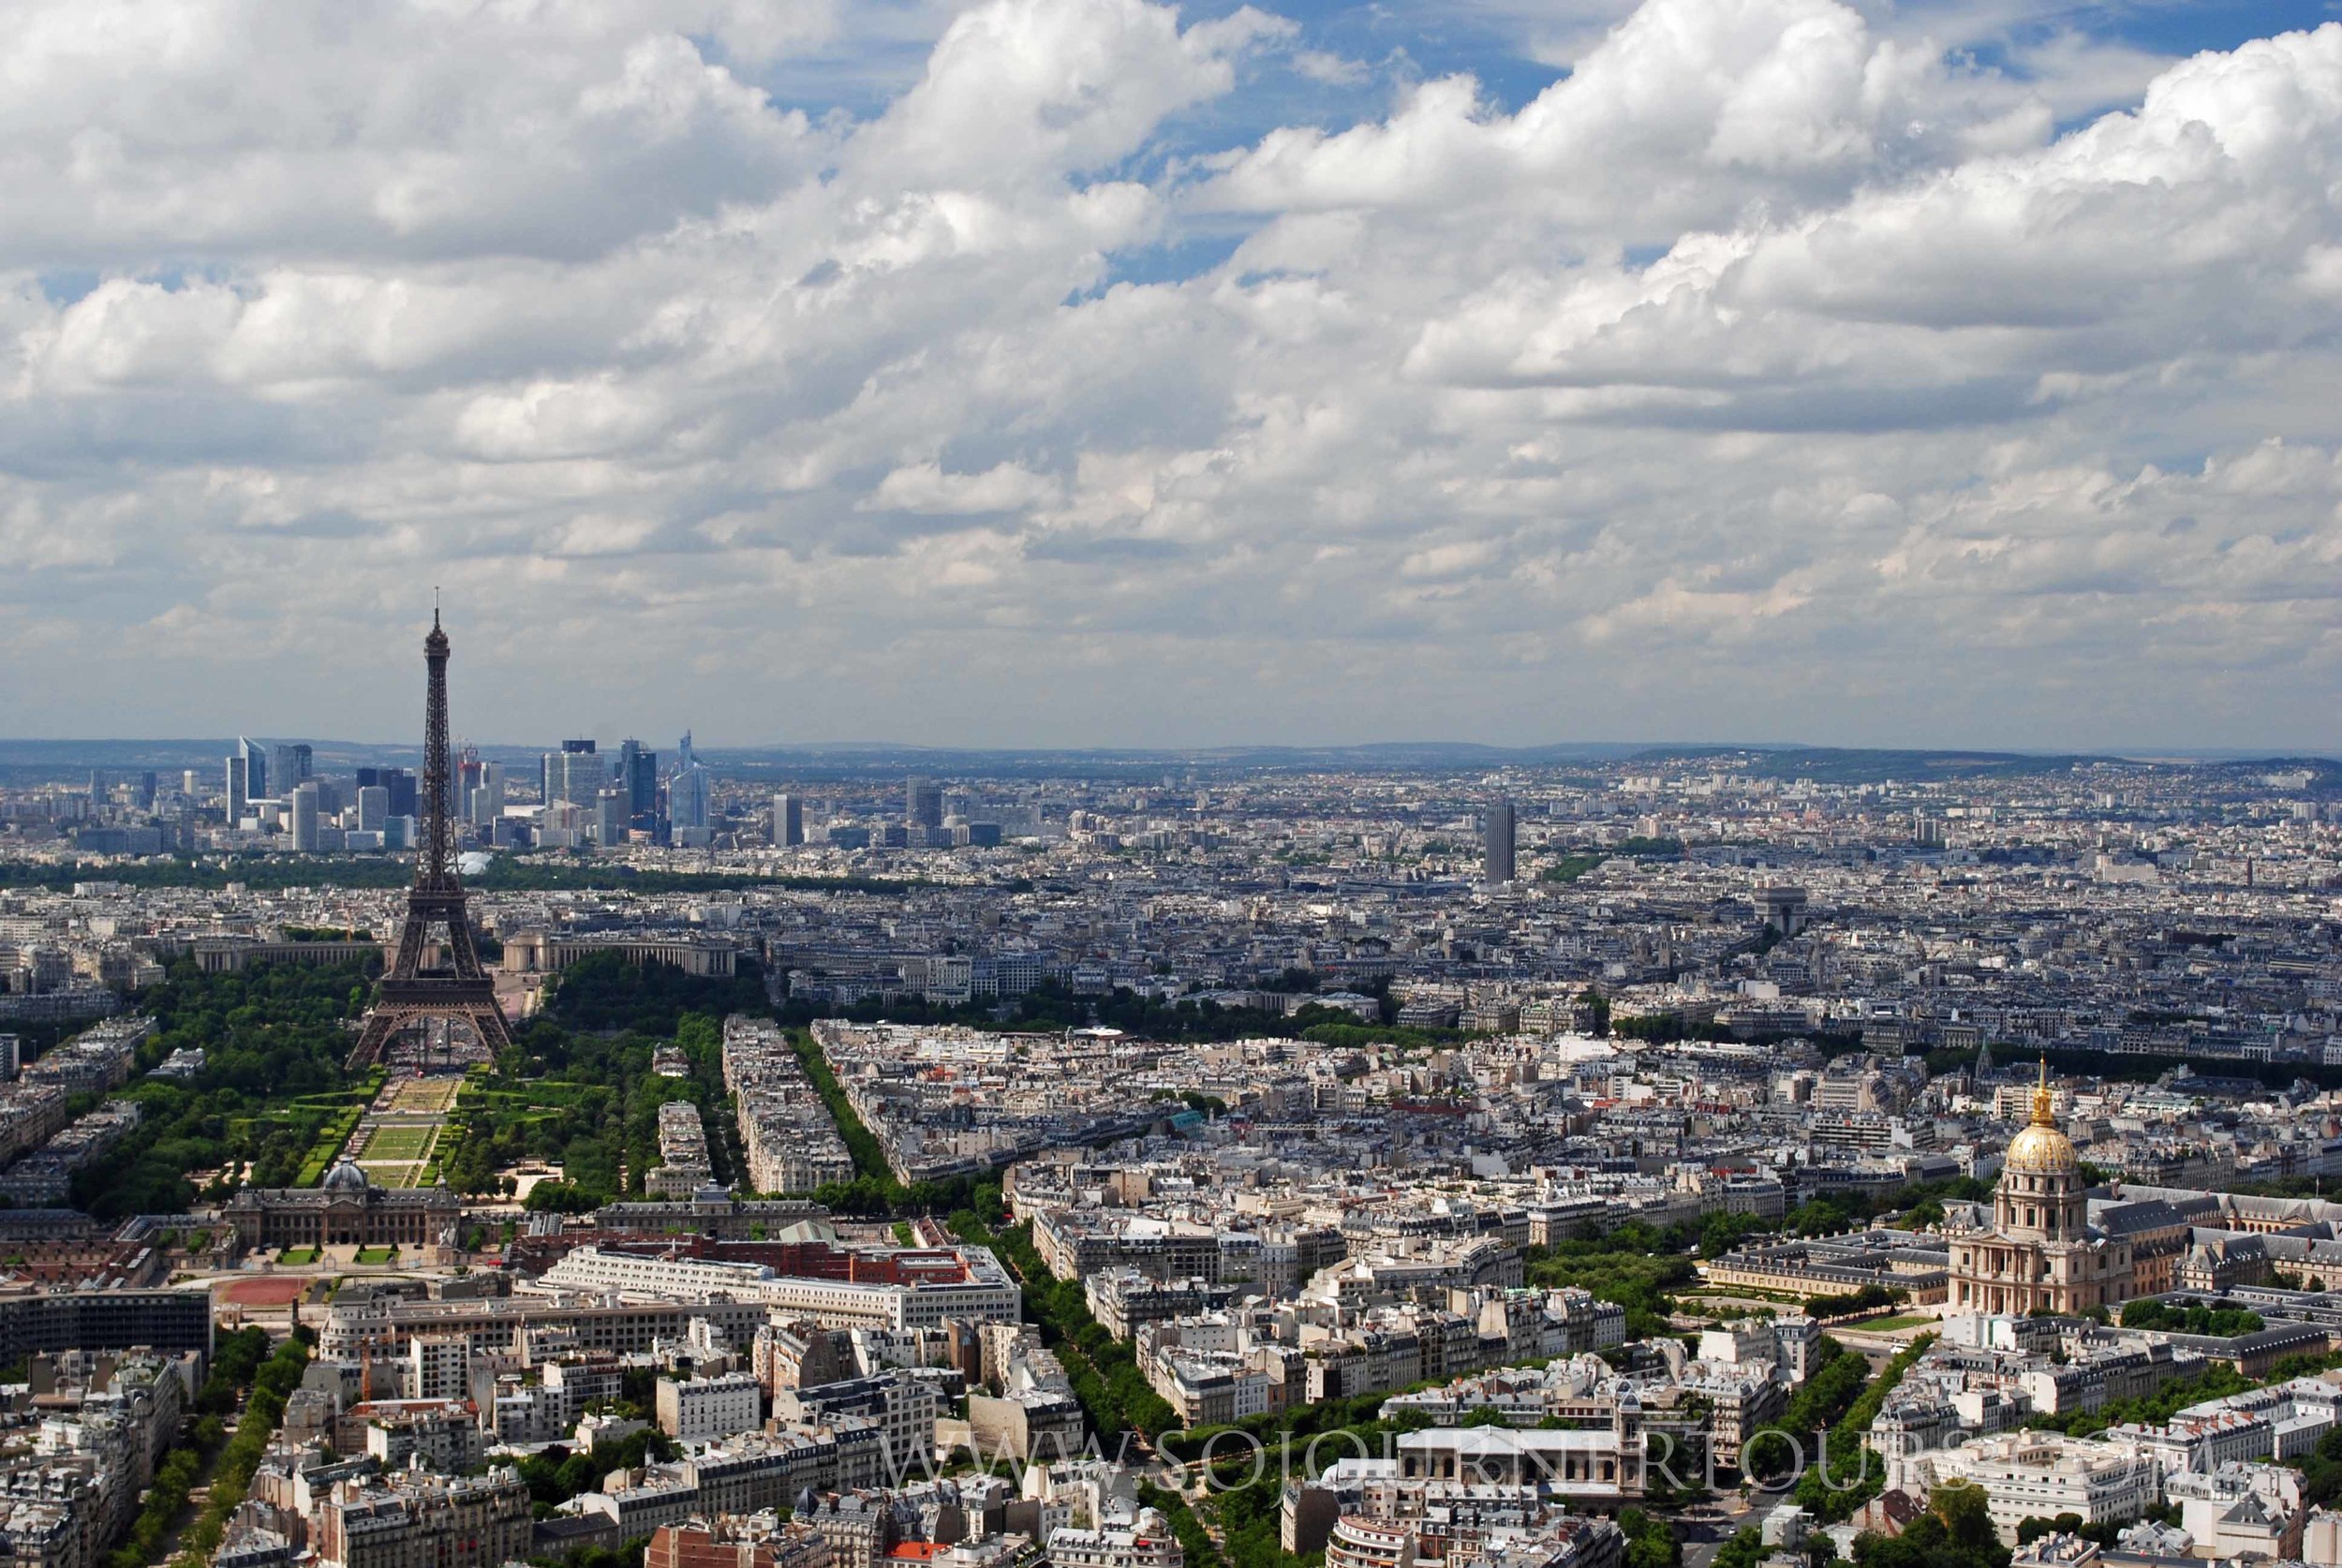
(1071,372)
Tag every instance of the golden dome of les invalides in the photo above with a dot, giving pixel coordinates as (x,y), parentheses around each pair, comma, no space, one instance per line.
(2041,1149)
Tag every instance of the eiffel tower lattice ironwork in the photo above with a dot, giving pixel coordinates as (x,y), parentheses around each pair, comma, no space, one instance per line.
(460,992)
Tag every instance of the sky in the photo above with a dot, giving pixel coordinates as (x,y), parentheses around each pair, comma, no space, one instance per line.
(1097,372)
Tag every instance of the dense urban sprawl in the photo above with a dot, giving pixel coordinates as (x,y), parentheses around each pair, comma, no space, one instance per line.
(1586,1165)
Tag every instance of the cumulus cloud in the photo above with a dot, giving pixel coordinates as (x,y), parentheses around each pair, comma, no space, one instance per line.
(1768,374)
(925,488)
(249,128)
(1040,88)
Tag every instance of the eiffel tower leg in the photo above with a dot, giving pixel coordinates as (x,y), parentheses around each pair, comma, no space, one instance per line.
(488,1022)
(380,1026)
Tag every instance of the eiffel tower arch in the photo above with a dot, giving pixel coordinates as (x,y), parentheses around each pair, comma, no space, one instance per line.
(458,989)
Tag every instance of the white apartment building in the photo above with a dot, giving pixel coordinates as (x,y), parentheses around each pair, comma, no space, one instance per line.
(438,1366)
(683,1166)
(2241,1510)
(703,1410)
(984,1293)
(2026,1474)
(1584,1467)
(1208,1387)
(2199,1445)
(1145,1542)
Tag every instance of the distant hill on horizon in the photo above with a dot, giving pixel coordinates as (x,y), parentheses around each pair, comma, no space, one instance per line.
(25,762)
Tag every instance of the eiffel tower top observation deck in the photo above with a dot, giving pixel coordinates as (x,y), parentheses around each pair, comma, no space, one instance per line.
(458,992)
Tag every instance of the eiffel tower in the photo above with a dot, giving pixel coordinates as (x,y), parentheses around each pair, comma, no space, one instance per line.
(460,993)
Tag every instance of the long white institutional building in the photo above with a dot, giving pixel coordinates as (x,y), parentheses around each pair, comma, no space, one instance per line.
(984,1293)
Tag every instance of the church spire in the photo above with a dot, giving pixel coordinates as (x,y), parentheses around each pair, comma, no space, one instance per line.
(2043,1107)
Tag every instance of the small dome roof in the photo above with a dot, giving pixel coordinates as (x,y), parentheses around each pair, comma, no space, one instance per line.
(346,1177)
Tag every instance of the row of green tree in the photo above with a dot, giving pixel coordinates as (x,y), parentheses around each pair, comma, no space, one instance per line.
(1955,1531)
(1104,1370)
(1652,1542)
(604,993)
(1196,1546)
(236,1359)
(558,1472)
(1835,1380)
(2192,1317)
(2216,1380)
(272,1381)
(174,1480)
(2321,1471)
(2124,1067)
(875,1190)
(1051,1008)
(1873,1297)
(1837,1482)
(2104,1533)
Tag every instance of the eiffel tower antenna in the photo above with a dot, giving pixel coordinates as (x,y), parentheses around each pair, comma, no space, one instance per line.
(409,992)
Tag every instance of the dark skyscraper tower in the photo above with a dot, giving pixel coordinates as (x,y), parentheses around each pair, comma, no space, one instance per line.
(398,782)
(291,765)
(638,775)
(1498,863)
(923,803)
(460,992)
